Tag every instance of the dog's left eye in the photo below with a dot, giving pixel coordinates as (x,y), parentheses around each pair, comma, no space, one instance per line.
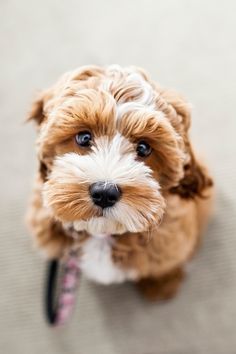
(83,139)
(143,149)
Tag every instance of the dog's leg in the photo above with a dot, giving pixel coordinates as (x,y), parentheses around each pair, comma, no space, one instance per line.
(162,288)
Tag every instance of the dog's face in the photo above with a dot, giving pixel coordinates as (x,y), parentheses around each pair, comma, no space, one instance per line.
(110,147)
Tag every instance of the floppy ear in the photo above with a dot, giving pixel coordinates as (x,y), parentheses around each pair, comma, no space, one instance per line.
(37,114)
(195,180)
(37,111)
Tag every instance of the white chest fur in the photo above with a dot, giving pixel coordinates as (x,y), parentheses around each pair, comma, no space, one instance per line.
(97,264)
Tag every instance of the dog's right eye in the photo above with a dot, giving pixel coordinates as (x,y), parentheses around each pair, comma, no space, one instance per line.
(83,139)
(143,149)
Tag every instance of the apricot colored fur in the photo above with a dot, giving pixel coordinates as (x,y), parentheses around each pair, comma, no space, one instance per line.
(159,253)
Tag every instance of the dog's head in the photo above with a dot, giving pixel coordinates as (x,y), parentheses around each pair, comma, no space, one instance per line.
(111,145)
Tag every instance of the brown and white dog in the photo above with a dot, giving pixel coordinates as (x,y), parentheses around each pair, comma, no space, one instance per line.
(118,176)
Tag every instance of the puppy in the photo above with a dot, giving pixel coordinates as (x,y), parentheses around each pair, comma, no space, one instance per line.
(118,177)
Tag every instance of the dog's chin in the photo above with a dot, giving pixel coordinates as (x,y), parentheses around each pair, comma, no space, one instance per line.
(102,225)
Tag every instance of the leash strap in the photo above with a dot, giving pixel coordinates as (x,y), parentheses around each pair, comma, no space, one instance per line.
(59,308)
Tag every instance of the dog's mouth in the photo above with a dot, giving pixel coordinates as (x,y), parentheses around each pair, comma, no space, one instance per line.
(100,226)
(118,220)
(133,212)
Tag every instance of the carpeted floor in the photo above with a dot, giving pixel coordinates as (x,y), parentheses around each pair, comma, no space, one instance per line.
(187,45)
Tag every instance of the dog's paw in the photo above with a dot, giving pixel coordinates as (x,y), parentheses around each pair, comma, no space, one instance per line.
(163,288)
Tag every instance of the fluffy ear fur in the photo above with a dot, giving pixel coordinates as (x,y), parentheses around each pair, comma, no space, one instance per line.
(196,179)
(37,115)
(43,171)
(37,111)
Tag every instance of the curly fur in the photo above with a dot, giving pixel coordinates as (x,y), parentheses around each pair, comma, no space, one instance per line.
(166,197)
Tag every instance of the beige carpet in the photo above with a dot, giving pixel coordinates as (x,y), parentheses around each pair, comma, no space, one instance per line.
(188,45)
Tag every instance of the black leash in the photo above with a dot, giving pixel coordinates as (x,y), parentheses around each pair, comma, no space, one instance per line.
(60,288)
(50,291)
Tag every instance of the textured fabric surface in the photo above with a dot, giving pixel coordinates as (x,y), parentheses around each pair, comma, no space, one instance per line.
(187,45)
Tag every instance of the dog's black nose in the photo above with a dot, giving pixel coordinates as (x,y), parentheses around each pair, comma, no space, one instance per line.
(105,194)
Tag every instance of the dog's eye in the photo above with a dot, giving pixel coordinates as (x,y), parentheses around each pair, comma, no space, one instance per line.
(83,139)
(143,149)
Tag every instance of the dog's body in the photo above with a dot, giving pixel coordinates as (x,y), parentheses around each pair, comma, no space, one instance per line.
(119,178)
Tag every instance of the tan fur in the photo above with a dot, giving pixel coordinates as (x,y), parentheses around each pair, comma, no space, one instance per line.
(161,250)
(87,99)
